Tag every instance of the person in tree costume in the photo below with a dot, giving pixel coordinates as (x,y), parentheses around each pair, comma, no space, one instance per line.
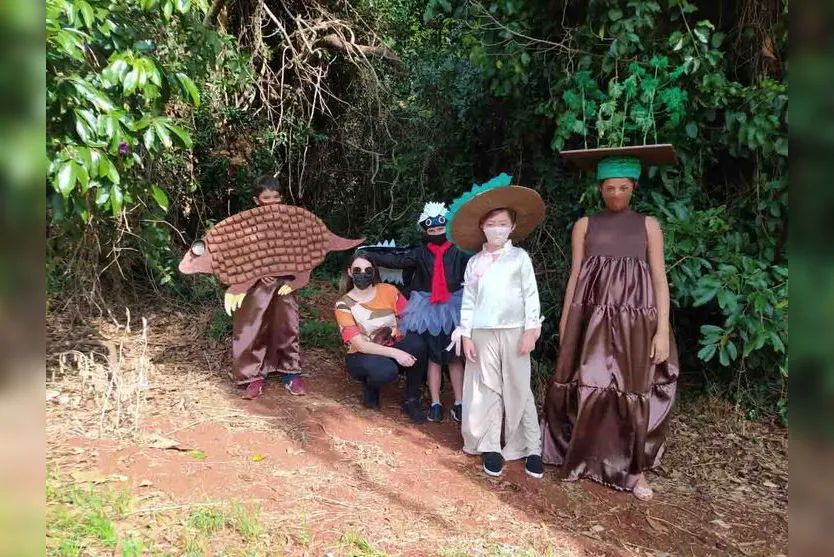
(608,403)
(433,309)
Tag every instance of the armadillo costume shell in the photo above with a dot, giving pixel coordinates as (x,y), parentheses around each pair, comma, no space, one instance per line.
(270,240)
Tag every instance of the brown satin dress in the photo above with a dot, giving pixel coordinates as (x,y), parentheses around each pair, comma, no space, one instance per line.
(607,406)
(265,334)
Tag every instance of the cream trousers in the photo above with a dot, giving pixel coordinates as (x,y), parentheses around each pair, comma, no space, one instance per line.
(496,391)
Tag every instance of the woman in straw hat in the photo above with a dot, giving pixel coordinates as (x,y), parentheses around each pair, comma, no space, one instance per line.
(500,323)
(608,402)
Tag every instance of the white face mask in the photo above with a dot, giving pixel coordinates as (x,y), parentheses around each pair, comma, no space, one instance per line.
(497,236)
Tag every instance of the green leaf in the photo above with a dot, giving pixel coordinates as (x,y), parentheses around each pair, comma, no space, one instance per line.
(702,34)
(692,130)
(116,200)
(131,81)
(782,147)
(86,157)
(615,15)
(102,196)
(148,4)
(711,330)
(732,351)
(189,88)
(776,342)
(717,39)
(82,175)
(65,179)
(183,134)
(149,138)
(723,357)
(706,353)
(86,13)
(163,134)
(168,9)
(160,197)
(704,297)
(82,125)
(183,6)
(141,124)
(111,171)
(199,455)
(71,44)
(727,301)
(144,46)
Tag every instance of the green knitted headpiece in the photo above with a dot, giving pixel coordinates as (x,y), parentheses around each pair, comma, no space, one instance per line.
(619,167)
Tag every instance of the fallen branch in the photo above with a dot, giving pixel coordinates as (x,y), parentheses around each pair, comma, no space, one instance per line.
(335,42)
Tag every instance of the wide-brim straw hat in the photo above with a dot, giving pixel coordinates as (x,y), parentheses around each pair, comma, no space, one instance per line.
(469,209)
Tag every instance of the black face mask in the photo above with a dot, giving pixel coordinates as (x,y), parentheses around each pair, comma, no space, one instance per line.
(363,280)
(436,238)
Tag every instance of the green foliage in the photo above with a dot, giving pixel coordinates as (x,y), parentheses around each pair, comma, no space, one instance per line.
(320,334)
(122,81)
(220,327)
(636,72)
(107,88)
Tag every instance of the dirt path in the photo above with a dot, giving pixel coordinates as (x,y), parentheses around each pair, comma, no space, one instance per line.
(322,470)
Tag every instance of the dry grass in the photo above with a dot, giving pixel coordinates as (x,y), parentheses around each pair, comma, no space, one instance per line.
(714,451)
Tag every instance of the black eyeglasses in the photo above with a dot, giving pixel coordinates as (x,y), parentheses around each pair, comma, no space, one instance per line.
(360,270)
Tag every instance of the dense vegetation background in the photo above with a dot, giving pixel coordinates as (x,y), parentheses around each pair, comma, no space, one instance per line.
(161,113)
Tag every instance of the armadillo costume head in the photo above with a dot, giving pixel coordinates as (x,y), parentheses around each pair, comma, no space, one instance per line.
(433,222)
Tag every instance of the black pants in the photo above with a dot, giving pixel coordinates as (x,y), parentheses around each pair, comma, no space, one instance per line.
(375,371)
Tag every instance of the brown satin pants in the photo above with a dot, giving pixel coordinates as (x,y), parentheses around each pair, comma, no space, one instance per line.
(265,334)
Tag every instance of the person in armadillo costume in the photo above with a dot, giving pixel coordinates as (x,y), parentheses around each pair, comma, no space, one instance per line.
(433,308)
(264,254)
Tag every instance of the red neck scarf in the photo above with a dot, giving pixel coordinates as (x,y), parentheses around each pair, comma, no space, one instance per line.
(439,290)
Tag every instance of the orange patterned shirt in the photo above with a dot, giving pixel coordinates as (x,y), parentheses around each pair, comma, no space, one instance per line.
(355,318)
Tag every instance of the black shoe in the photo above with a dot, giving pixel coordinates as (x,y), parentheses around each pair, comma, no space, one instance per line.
(493,464)
(412,409)
(370,396)
(436,413)
(457,413)
(533,466)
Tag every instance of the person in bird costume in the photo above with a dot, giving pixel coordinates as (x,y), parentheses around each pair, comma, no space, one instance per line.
(433,308)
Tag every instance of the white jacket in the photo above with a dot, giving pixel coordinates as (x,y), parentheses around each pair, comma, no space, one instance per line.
(506,296)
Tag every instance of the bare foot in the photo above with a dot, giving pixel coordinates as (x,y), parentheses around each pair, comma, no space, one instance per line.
(643,490)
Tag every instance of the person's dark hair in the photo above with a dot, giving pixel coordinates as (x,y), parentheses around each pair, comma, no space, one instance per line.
(267,183)
(346,283)
(494,212)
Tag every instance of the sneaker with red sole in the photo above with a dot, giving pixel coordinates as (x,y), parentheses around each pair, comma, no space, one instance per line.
(254,389)
(295,386)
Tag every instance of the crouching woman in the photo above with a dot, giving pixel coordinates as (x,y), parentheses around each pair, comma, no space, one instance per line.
(368,314)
